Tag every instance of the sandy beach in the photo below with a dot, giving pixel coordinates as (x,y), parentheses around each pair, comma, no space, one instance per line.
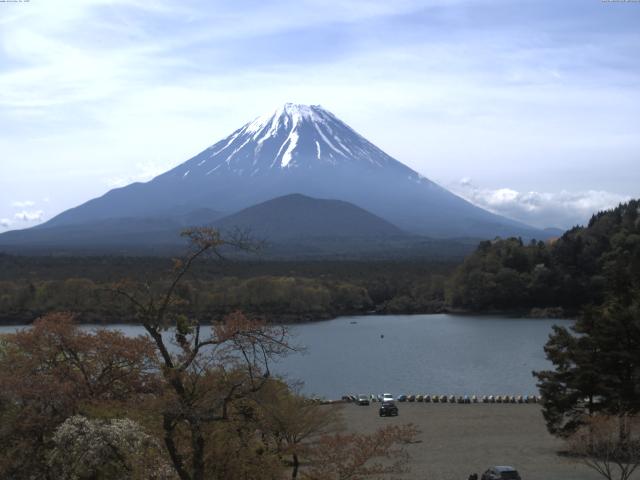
(457,440)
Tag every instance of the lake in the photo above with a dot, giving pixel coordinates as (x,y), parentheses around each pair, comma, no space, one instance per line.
(435,354)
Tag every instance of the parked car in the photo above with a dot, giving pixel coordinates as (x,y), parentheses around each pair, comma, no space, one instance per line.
(501,473)
(387,397)
(388,409)
(402,398)
(363,400)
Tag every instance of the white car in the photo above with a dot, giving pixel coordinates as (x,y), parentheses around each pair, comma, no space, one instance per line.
(387,397)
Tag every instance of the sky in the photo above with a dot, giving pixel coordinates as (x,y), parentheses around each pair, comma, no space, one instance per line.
(529,109)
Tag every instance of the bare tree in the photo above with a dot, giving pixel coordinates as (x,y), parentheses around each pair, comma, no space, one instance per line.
(356,456)
(599,445)
(295,421)
(205,373)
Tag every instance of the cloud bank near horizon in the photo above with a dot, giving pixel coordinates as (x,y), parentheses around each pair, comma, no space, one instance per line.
(562,209)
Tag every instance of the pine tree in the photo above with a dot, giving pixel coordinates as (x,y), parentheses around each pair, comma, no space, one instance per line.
(596,368)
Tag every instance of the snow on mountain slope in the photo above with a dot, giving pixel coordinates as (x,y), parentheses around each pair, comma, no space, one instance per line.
(292,137)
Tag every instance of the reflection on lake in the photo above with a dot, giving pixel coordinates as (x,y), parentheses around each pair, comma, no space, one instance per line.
(443,354)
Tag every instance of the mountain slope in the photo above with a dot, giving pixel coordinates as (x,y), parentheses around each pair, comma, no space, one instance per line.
(298,217)
(307,150)
(292,227)
(112,234)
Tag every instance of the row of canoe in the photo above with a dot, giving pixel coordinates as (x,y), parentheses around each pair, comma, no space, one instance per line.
(427,398)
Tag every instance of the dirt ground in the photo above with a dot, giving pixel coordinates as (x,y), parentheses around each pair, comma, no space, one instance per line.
(457,440)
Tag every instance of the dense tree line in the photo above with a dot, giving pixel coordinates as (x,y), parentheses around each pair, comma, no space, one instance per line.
(581,268)
(576,270)
(274,290)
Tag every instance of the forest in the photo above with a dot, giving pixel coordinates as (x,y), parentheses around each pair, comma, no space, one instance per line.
(275,290)
(556,278)
(579,269)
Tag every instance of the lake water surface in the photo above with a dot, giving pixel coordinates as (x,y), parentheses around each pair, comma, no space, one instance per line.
(435,354)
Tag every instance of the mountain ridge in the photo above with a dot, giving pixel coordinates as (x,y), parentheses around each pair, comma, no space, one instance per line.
(297,216)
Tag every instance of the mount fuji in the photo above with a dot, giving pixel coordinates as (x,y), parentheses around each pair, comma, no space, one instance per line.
(297,149)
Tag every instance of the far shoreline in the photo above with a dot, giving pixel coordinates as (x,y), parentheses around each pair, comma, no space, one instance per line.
(301,320)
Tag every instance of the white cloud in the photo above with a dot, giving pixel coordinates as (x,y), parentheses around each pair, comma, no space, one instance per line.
(465,181)
(29,215)
(5,222)
(145,172)
(562,209)
(23,203)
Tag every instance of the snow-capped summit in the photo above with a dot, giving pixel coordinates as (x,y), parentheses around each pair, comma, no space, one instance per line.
(302,149)
(292,136)
(287,113)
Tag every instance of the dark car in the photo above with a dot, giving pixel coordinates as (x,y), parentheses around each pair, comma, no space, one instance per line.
(501,473)
(363,400)
(388,409)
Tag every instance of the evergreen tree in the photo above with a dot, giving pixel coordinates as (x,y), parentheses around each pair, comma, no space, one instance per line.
(597,368)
